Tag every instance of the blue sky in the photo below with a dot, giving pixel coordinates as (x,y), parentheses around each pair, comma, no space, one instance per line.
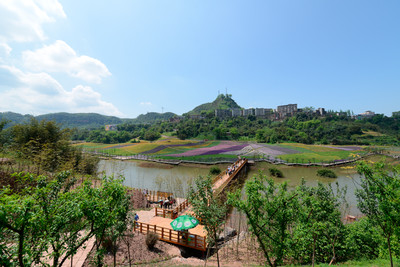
(127,58)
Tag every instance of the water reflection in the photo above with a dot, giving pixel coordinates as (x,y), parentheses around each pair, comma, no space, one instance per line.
(176,179)
(154,176)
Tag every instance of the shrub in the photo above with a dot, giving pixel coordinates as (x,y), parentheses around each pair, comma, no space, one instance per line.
(363,240)
(326,173)
(151,240)
(215,170)
(275,172)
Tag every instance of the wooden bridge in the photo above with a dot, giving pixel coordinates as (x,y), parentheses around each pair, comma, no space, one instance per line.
(196,237)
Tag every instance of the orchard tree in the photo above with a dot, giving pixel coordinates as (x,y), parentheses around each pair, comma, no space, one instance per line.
(379,198)
(59,215)
(207,208)
(270,210)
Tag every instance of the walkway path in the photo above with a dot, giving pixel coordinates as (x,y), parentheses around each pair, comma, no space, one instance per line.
(148,220)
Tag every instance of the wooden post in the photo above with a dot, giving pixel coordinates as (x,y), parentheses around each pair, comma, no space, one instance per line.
(170,234)
(162,232)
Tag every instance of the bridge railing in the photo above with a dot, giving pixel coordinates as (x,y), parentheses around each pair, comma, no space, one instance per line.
(240,163)
(181,207)
(176,237)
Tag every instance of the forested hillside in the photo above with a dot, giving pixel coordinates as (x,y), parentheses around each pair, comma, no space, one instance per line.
(221,102)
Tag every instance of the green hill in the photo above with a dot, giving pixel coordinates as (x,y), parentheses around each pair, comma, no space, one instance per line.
(151,117)
(14,118)
(80,120)
(83,120)
(221,102)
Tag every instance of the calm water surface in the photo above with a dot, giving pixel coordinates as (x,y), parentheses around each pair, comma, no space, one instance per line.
(176,179)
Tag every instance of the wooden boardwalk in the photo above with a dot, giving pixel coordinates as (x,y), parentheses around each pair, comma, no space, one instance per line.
(196,239)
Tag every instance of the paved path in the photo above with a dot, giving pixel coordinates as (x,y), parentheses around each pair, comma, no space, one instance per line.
(81,255)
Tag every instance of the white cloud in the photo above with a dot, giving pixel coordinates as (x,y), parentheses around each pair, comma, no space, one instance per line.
(40,93)
(5,49)
(146,103)
(60,57)
(21,20)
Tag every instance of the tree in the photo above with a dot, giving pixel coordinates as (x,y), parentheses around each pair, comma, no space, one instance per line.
(379,198)
(319,221)
(55,215)
(206,207)
(270,210)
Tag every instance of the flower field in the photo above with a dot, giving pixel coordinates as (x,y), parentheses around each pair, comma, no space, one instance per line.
(173,148)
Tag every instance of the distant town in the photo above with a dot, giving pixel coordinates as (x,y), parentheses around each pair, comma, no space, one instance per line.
(281,112)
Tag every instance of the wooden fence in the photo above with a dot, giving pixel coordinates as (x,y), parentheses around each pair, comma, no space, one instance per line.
(154,196)
(172,213)
(172,236)
(166,213)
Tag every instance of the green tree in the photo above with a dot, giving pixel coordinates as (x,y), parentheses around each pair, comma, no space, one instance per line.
(55,215)
(319,222)
(207,208)
(379,198)
(270,210)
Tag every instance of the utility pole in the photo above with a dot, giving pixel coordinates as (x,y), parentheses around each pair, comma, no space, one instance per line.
(162,110)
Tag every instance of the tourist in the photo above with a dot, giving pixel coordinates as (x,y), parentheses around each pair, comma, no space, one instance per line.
(136,219)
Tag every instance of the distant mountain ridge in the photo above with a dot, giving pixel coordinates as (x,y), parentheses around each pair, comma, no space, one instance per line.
(94,120)
(83,120)
(221,102)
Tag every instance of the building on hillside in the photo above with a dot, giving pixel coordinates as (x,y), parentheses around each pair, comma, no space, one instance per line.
(196,117)
(259,112)
(223,113)
(236,112)
(176,119)
(269,113)
(286,110)
(248,112)
(320,112)
(367,114)
(111,127)
(396,114)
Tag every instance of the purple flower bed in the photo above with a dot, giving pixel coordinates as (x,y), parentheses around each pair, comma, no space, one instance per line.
(223,147)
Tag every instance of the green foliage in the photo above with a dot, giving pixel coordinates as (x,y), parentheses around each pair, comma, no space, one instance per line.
(326,173)
(151,240)
(300,226)
(207,208)
(47,147)
(214,170)
(319,224)
(275,172)
(270,211)
(151,135)
(152,117)
(58,214)
(379,198)
(363,240)
(221,102)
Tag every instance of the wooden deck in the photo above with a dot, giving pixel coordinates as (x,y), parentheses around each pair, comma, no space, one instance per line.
(160,224)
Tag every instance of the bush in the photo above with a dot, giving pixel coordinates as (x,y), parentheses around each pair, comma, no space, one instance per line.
(151,240)
(215,170)
(275,172)
(326,173)
(363,240)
